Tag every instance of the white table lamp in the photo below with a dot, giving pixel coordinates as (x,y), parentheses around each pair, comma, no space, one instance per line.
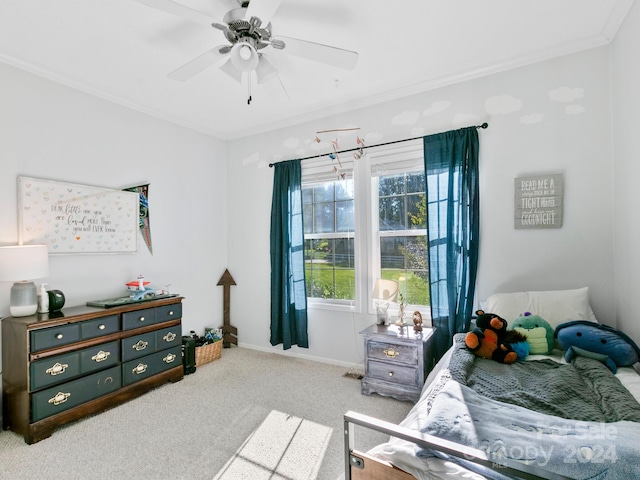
(22,264)
(384,292)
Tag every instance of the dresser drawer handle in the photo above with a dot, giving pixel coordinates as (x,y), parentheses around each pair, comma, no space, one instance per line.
(141,368)
(101,356)
(59,398)
(141,319)
(57,369)
(391,374)
(101,326)
(391,353)
(140,345)
(169,358)
(59,336)
(171,313)
(169,337)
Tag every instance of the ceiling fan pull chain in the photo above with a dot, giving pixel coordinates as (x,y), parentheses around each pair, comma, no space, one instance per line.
(249,88)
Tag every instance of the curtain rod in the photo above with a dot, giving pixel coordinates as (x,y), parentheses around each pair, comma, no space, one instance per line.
(484,125)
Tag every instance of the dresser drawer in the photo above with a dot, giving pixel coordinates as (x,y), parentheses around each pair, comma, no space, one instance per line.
(169,312)
(391,373)
(71,394)
(99,326)
(100,356)
(50,371)
(138,346)
(145,367)
(168,337)
(54,336)
(396,353)
(138,318)
(59,369)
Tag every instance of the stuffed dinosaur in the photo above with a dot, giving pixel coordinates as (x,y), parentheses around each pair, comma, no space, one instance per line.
(491,339)
(537,331)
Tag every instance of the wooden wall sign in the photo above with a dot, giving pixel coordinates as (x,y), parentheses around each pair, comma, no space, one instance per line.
(538,201)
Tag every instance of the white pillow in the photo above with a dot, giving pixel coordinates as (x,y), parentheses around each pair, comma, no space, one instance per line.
(556,306)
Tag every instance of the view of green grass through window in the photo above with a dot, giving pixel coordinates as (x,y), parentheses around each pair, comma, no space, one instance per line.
(401,232)
(403,241)
(329,245)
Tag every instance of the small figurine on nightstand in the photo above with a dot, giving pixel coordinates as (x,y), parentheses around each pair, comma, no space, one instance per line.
(402,304)
(417,321)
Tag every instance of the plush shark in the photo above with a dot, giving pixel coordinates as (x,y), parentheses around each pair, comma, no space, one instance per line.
(594,340)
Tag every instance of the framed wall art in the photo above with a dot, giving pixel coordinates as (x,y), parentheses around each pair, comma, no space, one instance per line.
(73,218)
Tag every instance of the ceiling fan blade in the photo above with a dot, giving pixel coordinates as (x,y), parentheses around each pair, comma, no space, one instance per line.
(200,63)
(319,52)
(179,10)
(263,9)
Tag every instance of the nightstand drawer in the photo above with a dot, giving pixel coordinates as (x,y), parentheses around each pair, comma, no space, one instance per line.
(396,353)
(398,374)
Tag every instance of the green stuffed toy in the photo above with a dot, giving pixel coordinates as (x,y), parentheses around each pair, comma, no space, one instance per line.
(538,332)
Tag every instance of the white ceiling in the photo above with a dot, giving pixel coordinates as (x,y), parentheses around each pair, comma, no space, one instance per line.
(121,50)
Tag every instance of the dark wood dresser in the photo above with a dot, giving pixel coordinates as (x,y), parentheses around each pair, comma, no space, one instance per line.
(397,360)
(58,368)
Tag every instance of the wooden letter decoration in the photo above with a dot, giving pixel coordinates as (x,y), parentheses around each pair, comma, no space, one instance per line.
(229,333)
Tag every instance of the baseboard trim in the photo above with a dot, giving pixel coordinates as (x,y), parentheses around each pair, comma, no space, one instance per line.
(293,353)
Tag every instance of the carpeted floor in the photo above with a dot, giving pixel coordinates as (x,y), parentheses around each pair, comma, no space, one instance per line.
(250,414)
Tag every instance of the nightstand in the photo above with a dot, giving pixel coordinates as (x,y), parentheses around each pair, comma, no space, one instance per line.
(396,360)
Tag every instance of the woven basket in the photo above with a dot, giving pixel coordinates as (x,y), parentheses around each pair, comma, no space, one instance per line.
(208,353)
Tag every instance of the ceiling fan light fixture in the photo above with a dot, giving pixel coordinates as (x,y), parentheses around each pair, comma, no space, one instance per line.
(265,71)
(244,56)
(229,68)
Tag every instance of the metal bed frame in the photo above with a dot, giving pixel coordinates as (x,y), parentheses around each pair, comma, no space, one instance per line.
(360,466)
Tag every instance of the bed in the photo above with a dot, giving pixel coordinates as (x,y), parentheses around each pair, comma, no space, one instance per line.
(543,417)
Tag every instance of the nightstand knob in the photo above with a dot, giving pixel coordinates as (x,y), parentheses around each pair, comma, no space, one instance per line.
(59,336)
(141,319)
(391,353)
(101,327)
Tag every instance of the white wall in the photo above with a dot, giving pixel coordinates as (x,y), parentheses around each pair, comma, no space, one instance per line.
(626,79)
(529,133)
(53,132)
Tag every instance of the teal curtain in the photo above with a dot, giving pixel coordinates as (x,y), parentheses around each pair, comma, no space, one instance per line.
(453,226)
(288,292)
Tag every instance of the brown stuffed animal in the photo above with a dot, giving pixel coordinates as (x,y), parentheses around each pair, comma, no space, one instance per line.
(491,339)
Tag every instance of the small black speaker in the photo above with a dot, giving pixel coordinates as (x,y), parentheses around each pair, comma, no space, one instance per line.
(188,354)
(56,300)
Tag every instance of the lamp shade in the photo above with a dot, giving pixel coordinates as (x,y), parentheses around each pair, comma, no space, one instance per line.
(23,262)
(265,71)
(229,68)
(386,290)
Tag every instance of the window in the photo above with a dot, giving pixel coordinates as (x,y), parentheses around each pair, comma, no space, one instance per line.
(367,226)
(402,234)
(328,239)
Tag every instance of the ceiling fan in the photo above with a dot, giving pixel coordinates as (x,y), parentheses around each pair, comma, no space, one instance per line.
(247,28)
